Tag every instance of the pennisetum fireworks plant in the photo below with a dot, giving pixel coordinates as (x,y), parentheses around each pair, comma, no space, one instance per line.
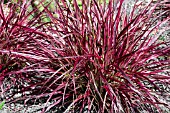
(94,56)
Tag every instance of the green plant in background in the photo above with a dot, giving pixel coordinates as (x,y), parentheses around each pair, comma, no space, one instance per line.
(2,104)
(36,4)
(162,38)
(79,2)
(40,5)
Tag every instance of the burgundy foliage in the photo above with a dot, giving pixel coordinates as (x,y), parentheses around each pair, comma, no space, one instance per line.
(95,57)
